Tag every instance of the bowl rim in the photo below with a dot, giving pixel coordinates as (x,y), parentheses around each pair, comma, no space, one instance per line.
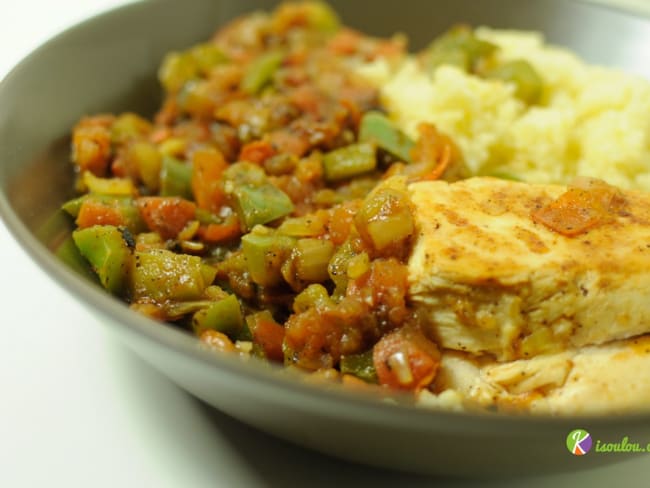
(358,405)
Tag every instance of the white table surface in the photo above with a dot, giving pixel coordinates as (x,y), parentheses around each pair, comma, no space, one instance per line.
(77,409)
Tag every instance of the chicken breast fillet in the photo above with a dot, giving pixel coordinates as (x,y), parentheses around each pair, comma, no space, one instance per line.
(583,381)
(488,279)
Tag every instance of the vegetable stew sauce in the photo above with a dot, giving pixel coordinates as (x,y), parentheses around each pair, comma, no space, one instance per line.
(265,207)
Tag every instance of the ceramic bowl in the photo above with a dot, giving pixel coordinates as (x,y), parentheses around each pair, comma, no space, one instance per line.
(108,64)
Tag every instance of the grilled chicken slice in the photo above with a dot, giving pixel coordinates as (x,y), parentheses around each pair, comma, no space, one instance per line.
(590,380)
(515,270)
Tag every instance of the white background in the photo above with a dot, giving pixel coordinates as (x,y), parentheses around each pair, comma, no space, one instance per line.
(77,409)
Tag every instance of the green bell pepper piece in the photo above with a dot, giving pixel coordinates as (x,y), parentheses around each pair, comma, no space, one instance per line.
(258,205)
(73,206)
(528,84)
(359,365)
(176,69)
(165,276)
(265,255)
(377,128)
(108,252)
(338,267)
(349,161)
(312,258)
(207,56)
(68,252)
(260,72)
(322,17)
(224,316)
(460,47)
(175,178)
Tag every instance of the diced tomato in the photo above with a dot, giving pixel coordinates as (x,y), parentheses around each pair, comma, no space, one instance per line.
(269,335)
(313,339)
(93,212)
(208,166)
(307,98)
(406,360)
(345,42)
(256,152)
(390,48)
(160,134)
(215,233)
(384,288)
(166,215)
(168,112)
(578,210)
(341,220)
(288,141)
(91,148)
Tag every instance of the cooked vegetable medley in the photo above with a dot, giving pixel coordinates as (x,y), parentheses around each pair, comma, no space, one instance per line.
(264,207)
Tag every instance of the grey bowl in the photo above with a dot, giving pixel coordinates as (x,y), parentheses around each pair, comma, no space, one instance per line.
(108,63)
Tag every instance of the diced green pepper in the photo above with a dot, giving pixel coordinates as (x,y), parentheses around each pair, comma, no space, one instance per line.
(265,255)
(260,71)
(378,129)
(196,98)
(359,365)
(108,186)
(148,161)
(504,175)
(174,147)
(258,205)
(459,47)
(306,226)
(528,83)
(224,316)
(338,267)
(314,296)
(68,252)
(73,206)
(358,265)
(321,16)
(177,310)
(207,56)
(385,218)
(312,257)
(244,333)
(162,276)
(129,126)
(175,178)
(109,254)
(349,161)
(206,217)
(243,173)
(177,69)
